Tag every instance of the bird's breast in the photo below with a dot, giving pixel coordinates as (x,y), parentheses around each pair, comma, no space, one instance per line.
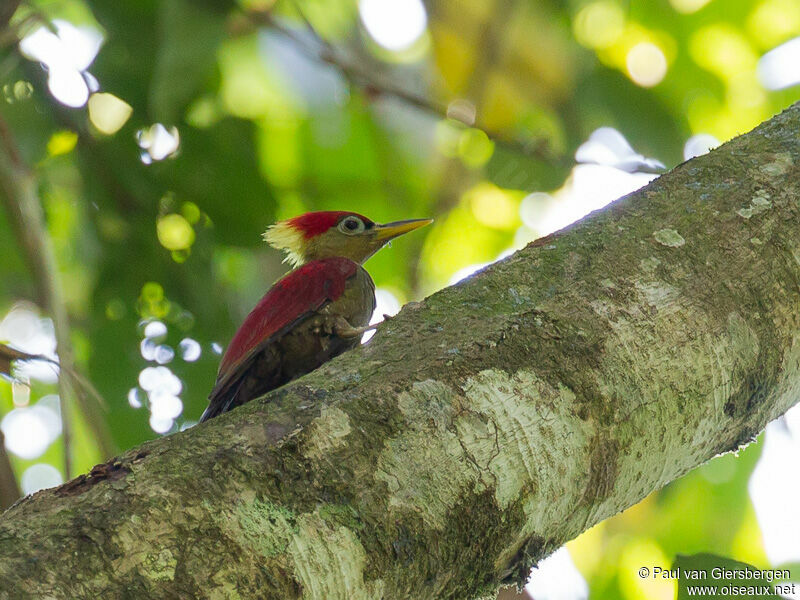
(357,302)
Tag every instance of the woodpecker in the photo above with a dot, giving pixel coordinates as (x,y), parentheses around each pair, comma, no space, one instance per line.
(316,312)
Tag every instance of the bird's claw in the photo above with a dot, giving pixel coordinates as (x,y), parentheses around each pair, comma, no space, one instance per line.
(341,328)
(345,330)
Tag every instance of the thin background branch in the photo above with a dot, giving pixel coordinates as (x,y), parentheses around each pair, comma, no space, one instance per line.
(9,489)
(7,11)
(375,85)
(19,196)
(21,201)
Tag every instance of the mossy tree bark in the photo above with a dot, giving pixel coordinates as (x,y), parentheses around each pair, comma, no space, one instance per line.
(480,429)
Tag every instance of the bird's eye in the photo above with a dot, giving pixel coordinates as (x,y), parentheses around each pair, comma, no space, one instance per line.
(351,225)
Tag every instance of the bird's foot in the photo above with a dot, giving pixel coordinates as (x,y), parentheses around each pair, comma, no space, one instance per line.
(344,330)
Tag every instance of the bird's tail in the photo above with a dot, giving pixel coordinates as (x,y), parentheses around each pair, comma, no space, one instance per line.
(221,401)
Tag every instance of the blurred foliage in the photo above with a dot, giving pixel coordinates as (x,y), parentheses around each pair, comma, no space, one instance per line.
(263,118)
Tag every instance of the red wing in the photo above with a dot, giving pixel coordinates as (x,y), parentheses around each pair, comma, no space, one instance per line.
(291,300)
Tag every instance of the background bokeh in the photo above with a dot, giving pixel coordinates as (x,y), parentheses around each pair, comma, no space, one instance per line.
(162,138)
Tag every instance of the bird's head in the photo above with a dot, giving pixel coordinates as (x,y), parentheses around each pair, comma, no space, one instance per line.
(327,234)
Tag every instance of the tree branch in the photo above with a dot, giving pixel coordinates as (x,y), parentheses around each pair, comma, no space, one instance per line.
(478,430)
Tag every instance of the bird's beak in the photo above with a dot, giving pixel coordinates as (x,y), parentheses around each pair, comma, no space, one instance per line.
(392,230)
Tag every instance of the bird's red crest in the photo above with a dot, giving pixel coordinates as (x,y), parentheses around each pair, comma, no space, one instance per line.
(314,223)
(293,234)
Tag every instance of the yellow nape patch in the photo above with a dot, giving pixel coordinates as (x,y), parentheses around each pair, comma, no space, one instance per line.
(284,236)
